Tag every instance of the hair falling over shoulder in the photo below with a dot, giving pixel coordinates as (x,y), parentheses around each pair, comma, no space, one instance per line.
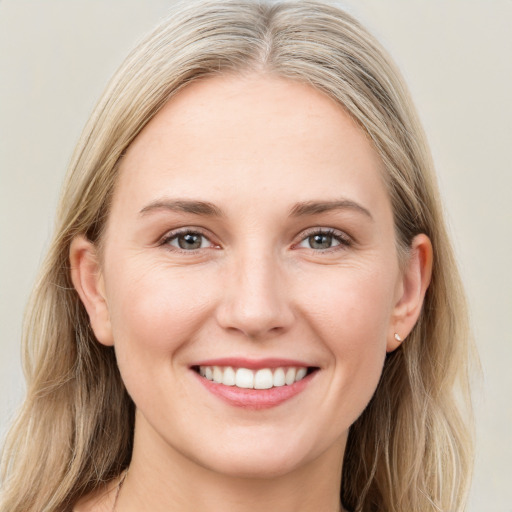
(412,448)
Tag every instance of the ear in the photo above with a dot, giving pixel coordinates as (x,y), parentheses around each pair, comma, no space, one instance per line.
(88,282)
(411,290)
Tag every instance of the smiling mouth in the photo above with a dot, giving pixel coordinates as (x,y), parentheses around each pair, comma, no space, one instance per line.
(263,378)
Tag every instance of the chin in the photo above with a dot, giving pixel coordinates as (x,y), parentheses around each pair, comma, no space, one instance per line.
(257,459)
(255,467)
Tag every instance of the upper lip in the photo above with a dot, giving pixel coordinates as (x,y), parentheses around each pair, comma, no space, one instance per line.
(252,364)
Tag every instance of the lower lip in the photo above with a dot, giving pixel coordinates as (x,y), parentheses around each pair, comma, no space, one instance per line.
(255,398)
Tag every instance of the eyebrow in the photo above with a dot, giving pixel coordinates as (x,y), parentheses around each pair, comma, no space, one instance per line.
(210,210)
(316,207)
(184,206)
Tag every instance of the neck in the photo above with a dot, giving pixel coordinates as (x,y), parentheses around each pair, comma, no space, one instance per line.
(162,479)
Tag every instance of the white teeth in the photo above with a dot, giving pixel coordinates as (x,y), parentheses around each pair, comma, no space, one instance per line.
(301,373)
(265,378)
(229,378)
(279,379)
(290,376)
(217,375)
(244,378)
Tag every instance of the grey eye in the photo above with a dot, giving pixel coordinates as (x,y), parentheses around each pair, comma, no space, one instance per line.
(188,241)
(320,241)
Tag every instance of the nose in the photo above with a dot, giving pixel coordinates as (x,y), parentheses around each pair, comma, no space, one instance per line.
(255,299)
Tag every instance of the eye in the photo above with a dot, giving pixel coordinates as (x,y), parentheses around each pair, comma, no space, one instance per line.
(324,239)
(187,240)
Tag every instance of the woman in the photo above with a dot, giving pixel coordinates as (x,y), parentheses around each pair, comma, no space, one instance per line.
(250,302)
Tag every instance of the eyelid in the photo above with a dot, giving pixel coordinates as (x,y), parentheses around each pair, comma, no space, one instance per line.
(344,239)
(170,235)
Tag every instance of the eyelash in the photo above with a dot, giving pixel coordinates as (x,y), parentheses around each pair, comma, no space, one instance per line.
(339,236)
(173,235)
(343,240)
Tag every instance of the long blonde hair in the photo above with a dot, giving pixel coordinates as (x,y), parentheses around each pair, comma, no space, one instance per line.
(411,449)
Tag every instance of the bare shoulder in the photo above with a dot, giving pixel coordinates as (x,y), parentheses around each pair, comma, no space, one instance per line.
(100,500)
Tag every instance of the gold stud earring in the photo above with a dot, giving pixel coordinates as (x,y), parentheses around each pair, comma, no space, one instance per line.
(397,338)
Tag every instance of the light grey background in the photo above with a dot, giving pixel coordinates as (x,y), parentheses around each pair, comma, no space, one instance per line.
(56,56)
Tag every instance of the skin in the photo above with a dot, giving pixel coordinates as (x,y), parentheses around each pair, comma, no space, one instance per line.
(254,146)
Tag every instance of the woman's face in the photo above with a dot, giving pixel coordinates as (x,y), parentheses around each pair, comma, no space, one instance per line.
(250,234)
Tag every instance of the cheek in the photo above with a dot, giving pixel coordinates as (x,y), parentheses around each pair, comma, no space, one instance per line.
(351,316)
(155,311)
(353,305)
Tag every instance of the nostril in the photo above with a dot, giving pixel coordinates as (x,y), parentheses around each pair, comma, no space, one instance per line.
(255,309)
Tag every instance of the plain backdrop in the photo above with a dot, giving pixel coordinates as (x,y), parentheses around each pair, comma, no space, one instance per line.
(57,55)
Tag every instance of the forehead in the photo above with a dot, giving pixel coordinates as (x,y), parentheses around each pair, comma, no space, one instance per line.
(234,137)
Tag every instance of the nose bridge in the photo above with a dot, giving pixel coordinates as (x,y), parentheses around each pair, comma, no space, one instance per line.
(255,301)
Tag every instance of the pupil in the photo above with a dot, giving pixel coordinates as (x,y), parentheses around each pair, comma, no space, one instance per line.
(189,241)
(320,241)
